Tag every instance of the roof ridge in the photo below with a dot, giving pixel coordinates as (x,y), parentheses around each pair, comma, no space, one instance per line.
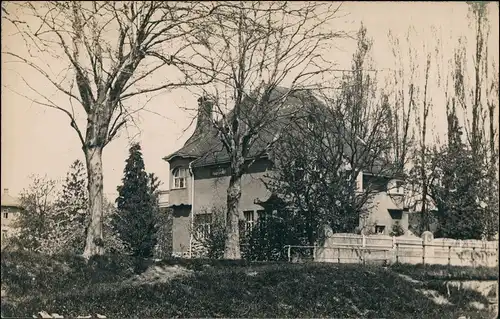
(202,144)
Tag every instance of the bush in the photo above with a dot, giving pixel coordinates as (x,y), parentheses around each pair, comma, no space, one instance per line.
(24,272)
(397,229)
(163,248)
(209,241)
(266,241)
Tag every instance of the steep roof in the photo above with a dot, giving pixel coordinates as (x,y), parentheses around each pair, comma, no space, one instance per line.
(207,148)
(10,201)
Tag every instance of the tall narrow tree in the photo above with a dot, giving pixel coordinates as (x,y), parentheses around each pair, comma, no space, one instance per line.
(137,205)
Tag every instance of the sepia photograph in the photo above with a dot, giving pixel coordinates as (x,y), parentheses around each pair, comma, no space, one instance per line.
(249,159)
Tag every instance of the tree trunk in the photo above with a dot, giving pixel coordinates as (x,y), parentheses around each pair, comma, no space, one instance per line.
(425,213)
(94,244)
(232,247)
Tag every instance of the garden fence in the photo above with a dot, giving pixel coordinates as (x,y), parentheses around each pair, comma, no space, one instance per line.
(351,248)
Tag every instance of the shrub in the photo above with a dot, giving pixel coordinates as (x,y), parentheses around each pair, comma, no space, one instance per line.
(163,248)
(397,229)
(24,272)
(209,233)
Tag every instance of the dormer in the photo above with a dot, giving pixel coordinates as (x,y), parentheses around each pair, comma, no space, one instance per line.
(180,182)
(395,187)
(179,177)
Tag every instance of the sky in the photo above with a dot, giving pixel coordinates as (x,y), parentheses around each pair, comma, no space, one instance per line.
(39,140)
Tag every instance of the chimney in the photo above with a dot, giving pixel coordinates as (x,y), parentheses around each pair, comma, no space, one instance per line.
(6,191)
(205,114)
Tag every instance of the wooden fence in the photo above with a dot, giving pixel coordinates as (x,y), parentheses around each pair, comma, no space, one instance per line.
(352,248)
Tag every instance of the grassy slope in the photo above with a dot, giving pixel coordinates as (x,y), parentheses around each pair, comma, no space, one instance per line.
(222,290)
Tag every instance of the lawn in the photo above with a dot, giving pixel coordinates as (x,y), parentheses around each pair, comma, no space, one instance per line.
(122,287)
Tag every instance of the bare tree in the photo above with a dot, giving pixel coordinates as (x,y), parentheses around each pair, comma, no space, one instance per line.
(327,148)
(108,52)
(258,48)
(403,105)
(423,130)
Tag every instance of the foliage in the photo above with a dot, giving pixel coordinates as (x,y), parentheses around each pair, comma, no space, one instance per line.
(112,241)
(415,223)
(37,201)
(55,222)
(163,248)
(137,206)
(67,225)
(210,233)
(460,214)
(27,272)
(267,240)
(457,183)
(223,289)
(397,229)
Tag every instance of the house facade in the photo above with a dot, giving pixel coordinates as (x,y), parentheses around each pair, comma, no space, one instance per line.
(11,208)
(386,207)
(199,178)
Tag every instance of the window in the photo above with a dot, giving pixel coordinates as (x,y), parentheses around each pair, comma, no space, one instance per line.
(4,234)
(395,187)
(180,177)
(396,214)
(379,229)
(202,225)
(5,215)
(249,220)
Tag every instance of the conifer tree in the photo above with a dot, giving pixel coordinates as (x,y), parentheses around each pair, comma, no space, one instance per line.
(137,206)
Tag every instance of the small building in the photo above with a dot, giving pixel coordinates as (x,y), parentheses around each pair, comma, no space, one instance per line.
(200,173)
(11,208)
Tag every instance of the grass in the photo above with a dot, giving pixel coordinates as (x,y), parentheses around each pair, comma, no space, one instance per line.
(444,272)
(69,286)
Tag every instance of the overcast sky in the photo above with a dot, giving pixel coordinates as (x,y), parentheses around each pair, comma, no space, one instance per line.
(37,140)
